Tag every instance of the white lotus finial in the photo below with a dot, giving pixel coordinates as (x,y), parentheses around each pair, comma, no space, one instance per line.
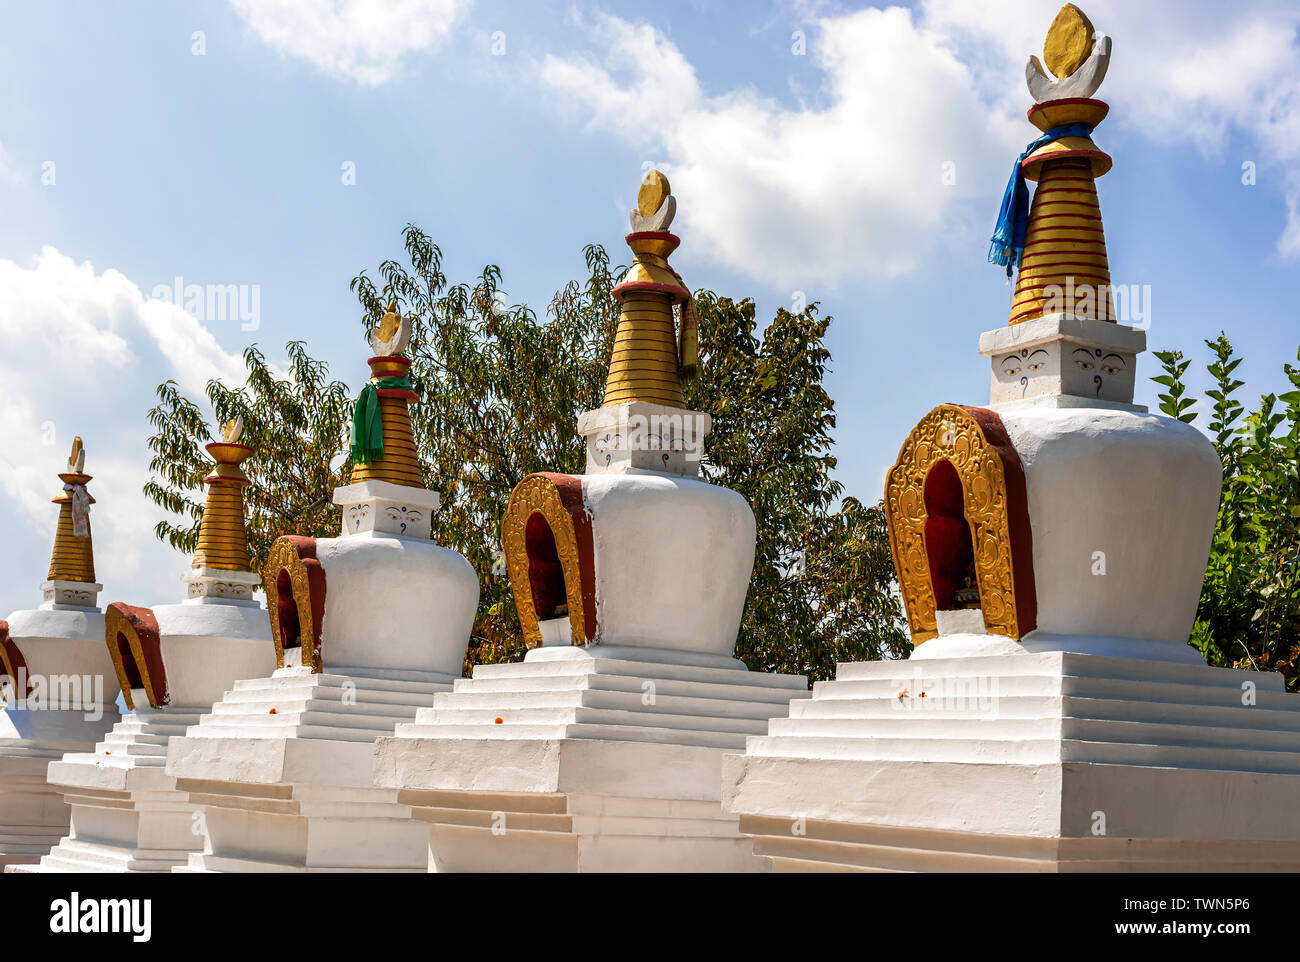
(1076,54)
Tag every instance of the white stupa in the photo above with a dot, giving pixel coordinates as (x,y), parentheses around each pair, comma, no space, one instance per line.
(601,751)
(58,690)
(366,628)
(172,663)
(1050,549)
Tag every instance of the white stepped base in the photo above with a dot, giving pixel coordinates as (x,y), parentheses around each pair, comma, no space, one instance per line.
(74,855)
(305,828)
(33,814)
(843,847)
(126,814)
(291,790)
(569,832)
(1052,761)
(599,762)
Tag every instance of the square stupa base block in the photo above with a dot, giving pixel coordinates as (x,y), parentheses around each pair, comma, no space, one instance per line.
(569,805)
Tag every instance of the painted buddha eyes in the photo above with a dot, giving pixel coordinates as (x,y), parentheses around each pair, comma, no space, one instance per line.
(1015,364)
(1109,364)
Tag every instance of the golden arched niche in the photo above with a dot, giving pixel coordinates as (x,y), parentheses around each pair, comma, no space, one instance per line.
(546,534)
(975,443)
(294,582)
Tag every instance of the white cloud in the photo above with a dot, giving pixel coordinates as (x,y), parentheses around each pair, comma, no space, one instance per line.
(361,40)
(852,185)
(84,352)
(1183,74)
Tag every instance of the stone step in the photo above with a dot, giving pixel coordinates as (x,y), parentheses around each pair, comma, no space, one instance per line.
(882,706)
(331,682)
(261,730)
(116,737)
(639,670)
(79,855)
(296,706)
(1056,664)
(616,700)
(1152,690)
(1034,706)
(331,695)
(309,719)
(918,725)
(663,686)
(627,733)
(1029,751)
(1010,750)
(970,728)
(126,747)
(598,716)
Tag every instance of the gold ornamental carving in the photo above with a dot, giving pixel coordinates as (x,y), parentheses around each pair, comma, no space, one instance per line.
(283,556)
(949,433)
(537,494)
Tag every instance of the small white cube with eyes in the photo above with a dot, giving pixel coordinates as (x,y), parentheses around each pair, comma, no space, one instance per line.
(1062,367)
(1028,372)
(1097,372)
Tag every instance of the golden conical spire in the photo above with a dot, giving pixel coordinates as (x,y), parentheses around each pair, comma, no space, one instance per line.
(399,463)
(645,362)
(222,540)
(74,552)
(1064,268)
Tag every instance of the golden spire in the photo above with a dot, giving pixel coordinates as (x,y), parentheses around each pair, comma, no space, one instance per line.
(647,352)
(74,552)
(222,541)
(384,405)
(1064,267)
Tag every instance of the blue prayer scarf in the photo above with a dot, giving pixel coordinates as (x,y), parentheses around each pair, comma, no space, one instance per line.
(1008,240)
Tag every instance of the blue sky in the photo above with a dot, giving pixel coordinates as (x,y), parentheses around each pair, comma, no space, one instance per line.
(807,145)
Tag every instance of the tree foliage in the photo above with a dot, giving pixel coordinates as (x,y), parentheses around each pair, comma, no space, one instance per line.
(500,391)
(821,591)
(1249,612)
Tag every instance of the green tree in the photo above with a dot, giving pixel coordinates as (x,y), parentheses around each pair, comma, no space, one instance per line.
(821,591)
(500,391)
(1249,612)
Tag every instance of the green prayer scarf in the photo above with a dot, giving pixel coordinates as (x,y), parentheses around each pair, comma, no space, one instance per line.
(367,425)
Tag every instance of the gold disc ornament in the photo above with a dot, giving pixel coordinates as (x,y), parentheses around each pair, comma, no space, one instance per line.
(389,323)
(1069,41)
(654,191)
